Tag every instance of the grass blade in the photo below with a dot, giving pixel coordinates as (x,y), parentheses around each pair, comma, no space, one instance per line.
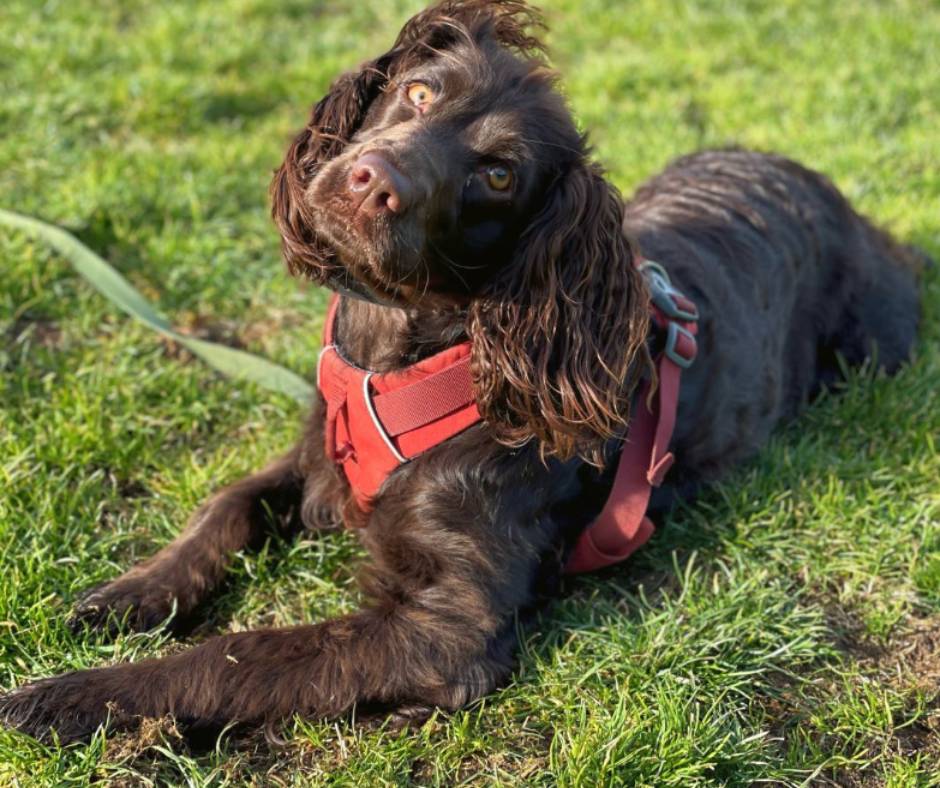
(107,281)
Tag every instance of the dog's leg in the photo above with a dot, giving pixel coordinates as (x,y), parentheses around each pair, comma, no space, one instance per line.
(300,488)
(184,571)
(392,657)
(440,632)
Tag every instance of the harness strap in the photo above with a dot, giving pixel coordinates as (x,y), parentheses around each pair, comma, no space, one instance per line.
(375,422)
(622,527)
(439,394)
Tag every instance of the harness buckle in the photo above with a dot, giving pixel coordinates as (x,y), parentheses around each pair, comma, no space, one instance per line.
(670,301)
(681,346)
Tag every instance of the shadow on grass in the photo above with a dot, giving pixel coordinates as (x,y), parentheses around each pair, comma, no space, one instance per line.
(721,525)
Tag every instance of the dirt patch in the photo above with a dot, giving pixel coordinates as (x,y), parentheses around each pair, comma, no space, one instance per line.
(275,321)
(909,659)
(254,755)
(276,755)
(35,330)
(907,664)
(480,770)
(920,650)
(151,733)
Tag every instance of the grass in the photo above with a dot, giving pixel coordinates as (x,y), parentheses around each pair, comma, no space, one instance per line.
(785,628)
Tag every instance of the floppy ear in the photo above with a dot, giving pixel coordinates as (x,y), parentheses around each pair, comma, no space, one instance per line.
(333,121)
(559,339)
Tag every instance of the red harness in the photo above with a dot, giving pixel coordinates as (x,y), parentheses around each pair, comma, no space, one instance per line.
(376,422)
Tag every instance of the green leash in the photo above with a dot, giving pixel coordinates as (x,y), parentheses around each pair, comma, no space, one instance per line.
(114,287)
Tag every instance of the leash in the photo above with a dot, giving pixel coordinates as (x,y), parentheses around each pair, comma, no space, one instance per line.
(107,281)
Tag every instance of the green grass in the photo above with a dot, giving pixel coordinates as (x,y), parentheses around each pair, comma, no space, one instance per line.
(783,628)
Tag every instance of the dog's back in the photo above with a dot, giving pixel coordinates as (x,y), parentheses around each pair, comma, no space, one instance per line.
(788,277)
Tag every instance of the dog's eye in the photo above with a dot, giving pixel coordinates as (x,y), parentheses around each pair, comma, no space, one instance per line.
(499,177)
(421,95)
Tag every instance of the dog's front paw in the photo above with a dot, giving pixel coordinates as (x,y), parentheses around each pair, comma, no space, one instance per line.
(140,603)
(73,705)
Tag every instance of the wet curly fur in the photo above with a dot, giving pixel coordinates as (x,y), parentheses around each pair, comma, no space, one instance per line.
(467,539)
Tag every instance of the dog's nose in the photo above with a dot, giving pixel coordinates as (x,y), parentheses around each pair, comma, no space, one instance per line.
(378,187)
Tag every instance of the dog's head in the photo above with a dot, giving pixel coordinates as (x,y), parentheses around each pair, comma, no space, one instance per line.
(449,172)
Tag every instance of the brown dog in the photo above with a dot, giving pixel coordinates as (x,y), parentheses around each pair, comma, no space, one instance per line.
(445,191)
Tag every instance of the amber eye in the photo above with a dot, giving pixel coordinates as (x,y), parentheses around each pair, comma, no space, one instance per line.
(499,177)
(421,95)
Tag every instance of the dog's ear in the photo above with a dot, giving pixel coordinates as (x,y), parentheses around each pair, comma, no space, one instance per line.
(559,338)
(333,121)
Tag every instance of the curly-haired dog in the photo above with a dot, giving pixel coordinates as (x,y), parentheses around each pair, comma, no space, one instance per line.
(445,192)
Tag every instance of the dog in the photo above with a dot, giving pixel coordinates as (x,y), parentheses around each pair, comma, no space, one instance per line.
(445,194)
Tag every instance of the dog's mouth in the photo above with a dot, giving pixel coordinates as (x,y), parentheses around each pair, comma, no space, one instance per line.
(374,218)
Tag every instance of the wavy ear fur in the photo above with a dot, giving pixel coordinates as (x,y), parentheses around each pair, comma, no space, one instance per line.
(333,121)
(559,340)
(339,115)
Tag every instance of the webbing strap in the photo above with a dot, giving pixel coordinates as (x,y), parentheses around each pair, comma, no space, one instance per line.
(438,394)
(406,406)
(622,527)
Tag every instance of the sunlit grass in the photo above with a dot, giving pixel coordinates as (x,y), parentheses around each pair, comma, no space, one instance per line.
(781,628)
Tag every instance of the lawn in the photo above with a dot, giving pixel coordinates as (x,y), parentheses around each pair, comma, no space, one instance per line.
(785,628)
